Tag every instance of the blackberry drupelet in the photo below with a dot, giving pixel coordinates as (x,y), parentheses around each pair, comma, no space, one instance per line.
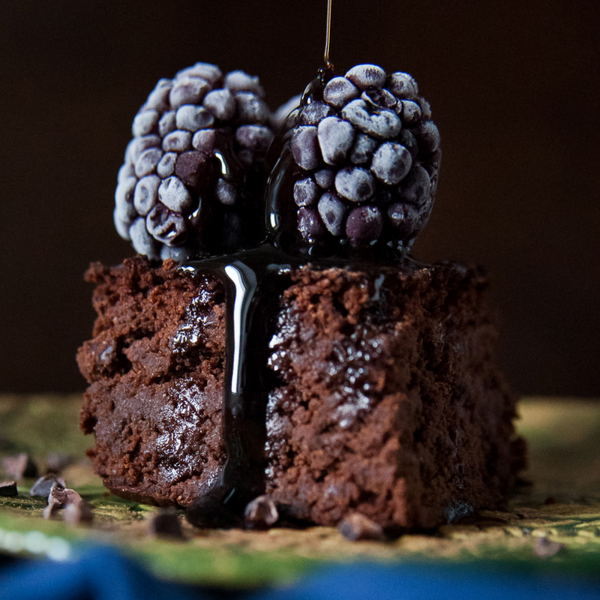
(364,157)
(191,184)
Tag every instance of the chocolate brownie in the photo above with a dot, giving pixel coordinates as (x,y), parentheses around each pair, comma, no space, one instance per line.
(383,397)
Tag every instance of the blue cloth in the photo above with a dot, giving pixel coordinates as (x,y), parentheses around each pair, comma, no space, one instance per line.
(104,574)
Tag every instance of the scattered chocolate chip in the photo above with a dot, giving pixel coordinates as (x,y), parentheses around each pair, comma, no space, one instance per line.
(19,466)
(357,527)
(545,548)
(261,513)
(63,496)
(43,486)
(8,489)
(82,512)
(166,524)
(59,498)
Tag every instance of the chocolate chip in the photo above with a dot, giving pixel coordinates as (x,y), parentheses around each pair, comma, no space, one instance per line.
(62,496)
(43,486)
(58,498)
(544,548)
(261,513)
(8,489)
(355,527)
(20,466)
(166,524)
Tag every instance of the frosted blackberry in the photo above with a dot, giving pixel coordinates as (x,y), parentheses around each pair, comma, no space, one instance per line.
(363,157)
(191,184)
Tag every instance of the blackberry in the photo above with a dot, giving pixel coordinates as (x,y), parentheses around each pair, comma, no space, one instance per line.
(192,179)
(362,157)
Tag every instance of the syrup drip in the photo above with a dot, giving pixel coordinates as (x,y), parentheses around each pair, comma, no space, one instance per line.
(253,281)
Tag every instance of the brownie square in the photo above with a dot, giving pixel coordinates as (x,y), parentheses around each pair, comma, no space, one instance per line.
(386,399)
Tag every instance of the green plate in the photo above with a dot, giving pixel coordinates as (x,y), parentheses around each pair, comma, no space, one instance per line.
(562,504)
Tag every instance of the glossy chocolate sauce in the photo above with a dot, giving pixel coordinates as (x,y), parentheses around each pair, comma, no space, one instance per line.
(254,280)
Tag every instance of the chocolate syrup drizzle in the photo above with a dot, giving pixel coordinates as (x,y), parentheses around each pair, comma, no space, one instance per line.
(254,280)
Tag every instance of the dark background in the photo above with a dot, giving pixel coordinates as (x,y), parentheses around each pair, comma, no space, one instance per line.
(514,87)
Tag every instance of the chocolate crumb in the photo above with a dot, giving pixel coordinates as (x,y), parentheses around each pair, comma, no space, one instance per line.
(81,512)
(545,548)
(261,513)
(550,500)
(8,489)
(357,527)
(166,524)
(20,466)
(43,486)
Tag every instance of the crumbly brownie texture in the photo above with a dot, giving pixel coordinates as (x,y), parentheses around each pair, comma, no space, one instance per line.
(388,401)
(391,405)
(155,366)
